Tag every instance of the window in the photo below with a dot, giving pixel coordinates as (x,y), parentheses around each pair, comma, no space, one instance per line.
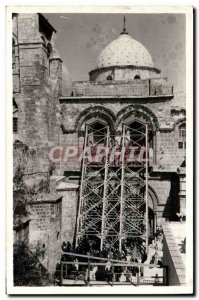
(97,132)
(137,77)
(182,130)
(182,136)
(15,121)
(109,77)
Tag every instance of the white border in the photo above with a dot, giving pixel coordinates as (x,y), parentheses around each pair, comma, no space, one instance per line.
(189,96)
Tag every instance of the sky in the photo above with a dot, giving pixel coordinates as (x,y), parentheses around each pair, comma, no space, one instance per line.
(81,37)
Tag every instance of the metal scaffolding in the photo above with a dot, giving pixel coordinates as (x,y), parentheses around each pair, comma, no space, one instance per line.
(113,202)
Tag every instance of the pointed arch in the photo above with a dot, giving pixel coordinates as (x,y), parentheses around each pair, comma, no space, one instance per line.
(138,112)
(97,112)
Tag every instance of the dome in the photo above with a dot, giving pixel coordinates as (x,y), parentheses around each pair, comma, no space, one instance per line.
(124,51)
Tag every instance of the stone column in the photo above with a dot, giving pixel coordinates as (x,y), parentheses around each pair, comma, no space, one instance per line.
(69,191)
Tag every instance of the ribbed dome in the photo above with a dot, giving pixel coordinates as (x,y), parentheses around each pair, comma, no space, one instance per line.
(124,51)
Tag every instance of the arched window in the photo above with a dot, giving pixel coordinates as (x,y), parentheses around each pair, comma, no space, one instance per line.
(137,77)
(182,136)
(109,77)
(98,131)
(136,137)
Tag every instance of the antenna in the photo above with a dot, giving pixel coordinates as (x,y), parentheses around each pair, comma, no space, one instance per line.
(124,28)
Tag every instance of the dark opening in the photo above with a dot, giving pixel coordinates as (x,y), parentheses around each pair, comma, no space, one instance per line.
(109,77)
(15,121)
(99,131)
(49,50)
(137,77)
(182,130)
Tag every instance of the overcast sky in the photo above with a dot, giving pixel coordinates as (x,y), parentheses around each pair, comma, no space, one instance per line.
(81,37)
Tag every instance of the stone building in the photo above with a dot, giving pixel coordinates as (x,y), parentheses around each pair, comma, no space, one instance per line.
(124,87)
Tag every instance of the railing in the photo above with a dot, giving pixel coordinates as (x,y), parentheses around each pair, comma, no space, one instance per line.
(107,272)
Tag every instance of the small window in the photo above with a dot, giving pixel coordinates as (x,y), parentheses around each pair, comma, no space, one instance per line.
(109,77)
(182,136)
(182,145)
(137,77)
(182,130)
(15,125)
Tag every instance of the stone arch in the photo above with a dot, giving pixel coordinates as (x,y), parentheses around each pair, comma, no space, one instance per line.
(98,112)
(138,111)
(153,202)
(179,122)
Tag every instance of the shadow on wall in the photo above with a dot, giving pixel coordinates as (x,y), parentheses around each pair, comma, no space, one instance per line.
(172,205)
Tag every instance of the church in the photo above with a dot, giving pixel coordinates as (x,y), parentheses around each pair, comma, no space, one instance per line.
(126,107)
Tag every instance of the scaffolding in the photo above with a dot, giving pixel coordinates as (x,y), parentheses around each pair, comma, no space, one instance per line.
(113,200)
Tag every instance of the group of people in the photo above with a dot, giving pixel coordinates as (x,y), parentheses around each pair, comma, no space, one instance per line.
(108,271)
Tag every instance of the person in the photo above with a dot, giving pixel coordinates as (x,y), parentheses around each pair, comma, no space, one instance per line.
(156,278)
(101,274)
(75,268)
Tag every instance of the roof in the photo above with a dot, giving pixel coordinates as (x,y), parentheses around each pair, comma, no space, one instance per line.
(124,51)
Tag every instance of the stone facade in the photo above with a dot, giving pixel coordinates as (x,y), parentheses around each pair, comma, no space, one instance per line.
(37,76)
(47,118)
(45,228)
(174,234)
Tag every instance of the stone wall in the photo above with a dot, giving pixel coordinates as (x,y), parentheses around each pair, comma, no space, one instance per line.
(70,194)
(168,154)
(45,228)
(122,88)
(37,89)
(172,257)
(168,157)
(127,73)
(21,230)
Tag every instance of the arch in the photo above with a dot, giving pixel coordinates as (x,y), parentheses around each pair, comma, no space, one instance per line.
(154,198)
(137,112)
(179,122)
(97,112)
(137,77)
(109,77)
